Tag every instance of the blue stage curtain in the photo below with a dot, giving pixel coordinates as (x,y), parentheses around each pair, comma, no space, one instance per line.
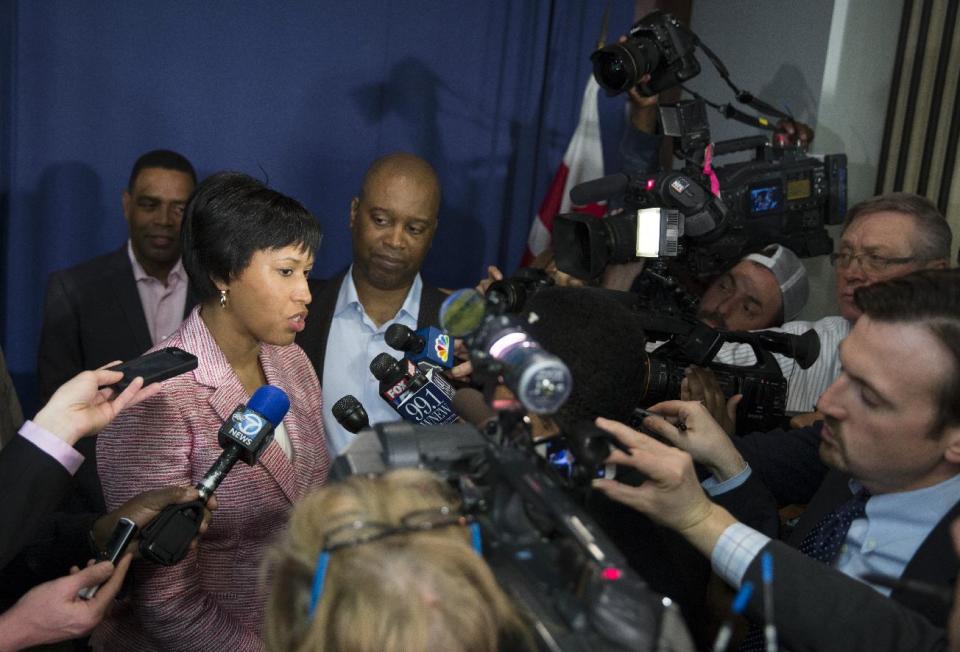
(302,94)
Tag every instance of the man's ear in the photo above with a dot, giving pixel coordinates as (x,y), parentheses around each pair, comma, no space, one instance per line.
(951,451)
(354,207)
(127,201)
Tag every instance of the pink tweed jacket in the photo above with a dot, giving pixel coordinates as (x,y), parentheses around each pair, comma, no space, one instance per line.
(214,598)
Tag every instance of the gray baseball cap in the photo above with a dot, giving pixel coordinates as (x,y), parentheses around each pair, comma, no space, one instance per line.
(791,276)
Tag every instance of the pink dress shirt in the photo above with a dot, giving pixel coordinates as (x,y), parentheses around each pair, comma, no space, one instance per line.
(162,304)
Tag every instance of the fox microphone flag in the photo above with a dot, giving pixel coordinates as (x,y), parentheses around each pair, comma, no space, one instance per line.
(583,161)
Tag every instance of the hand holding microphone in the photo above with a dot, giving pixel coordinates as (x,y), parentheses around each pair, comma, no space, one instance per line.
(243,436)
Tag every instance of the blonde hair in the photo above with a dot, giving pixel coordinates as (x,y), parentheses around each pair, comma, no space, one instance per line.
(413,591)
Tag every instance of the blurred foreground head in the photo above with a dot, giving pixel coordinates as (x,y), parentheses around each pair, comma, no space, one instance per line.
(400,573)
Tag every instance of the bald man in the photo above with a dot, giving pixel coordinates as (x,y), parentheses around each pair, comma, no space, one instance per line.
(392,223)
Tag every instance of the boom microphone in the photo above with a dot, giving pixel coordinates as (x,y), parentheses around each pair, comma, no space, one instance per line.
(599,190)
(430,344)
(349,413)
(243,436)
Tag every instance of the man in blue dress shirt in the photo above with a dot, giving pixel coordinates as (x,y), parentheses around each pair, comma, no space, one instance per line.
(392,222)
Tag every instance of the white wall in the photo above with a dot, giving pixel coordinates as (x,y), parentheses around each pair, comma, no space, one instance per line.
(829,61)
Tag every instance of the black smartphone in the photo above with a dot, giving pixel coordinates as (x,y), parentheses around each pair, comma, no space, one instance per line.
(122,534)
(154,367)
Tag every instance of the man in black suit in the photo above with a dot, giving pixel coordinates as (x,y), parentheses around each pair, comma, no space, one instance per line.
(890,443)
(118,305)
(392,223)
(113,307)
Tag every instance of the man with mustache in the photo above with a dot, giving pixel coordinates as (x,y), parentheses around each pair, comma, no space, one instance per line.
(881,475)
(883,237)
(392,222)
(118,305)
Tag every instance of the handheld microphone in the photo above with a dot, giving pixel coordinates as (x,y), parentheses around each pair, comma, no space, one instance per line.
(473,409)
(243,436)
(421,396)
(430,344)
(350,414)
(394,377)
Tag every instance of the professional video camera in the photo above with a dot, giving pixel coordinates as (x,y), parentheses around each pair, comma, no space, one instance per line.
(688,341)
(665,312)
(546,551)
(704,216)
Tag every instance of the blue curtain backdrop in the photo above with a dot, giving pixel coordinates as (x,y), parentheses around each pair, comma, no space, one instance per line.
(302,94)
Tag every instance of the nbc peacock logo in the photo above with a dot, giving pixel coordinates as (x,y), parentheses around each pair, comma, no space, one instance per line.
(442,346)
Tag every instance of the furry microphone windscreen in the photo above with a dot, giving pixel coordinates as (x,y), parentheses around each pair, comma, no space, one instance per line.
(597,334)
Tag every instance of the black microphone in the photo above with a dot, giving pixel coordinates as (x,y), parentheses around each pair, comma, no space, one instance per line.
(350,414)
(429,343)
(394,377)
(243,436)
(598,190)
(418,394)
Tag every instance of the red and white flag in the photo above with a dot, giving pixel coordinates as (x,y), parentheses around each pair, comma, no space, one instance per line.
(583,161)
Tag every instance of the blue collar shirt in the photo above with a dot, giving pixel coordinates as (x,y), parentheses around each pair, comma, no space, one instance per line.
(354,341)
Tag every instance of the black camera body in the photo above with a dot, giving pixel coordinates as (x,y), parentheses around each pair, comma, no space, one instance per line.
(688,341)
(779,196)
(762,385)
(657,45)
(544,549)
(787,197)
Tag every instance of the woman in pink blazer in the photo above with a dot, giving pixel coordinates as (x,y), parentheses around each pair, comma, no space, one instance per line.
(248,251)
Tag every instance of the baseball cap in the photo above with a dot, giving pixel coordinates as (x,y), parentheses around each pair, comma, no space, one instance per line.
(791,276)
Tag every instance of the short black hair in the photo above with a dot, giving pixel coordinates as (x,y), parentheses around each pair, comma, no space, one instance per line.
(599,338)
(929,298)
(229,217)
(161,158)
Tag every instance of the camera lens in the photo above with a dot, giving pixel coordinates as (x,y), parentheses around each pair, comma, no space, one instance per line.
(614,69)
(618,68)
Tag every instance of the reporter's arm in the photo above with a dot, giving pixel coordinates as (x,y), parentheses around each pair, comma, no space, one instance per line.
(53,611)
(33,485)
(819,608)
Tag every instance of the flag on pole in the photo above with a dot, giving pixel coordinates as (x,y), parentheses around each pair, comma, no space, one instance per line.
(583,161)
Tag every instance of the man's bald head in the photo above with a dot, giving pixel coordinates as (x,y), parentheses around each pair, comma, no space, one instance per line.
(406,165)
(393,221)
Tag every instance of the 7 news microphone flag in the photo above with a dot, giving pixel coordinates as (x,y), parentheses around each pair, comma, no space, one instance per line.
(583,161)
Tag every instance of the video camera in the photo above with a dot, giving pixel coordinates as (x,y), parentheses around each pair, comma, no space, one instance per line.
(544,549)
(500,347)
(664,312)
(704,216)
(690,341)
